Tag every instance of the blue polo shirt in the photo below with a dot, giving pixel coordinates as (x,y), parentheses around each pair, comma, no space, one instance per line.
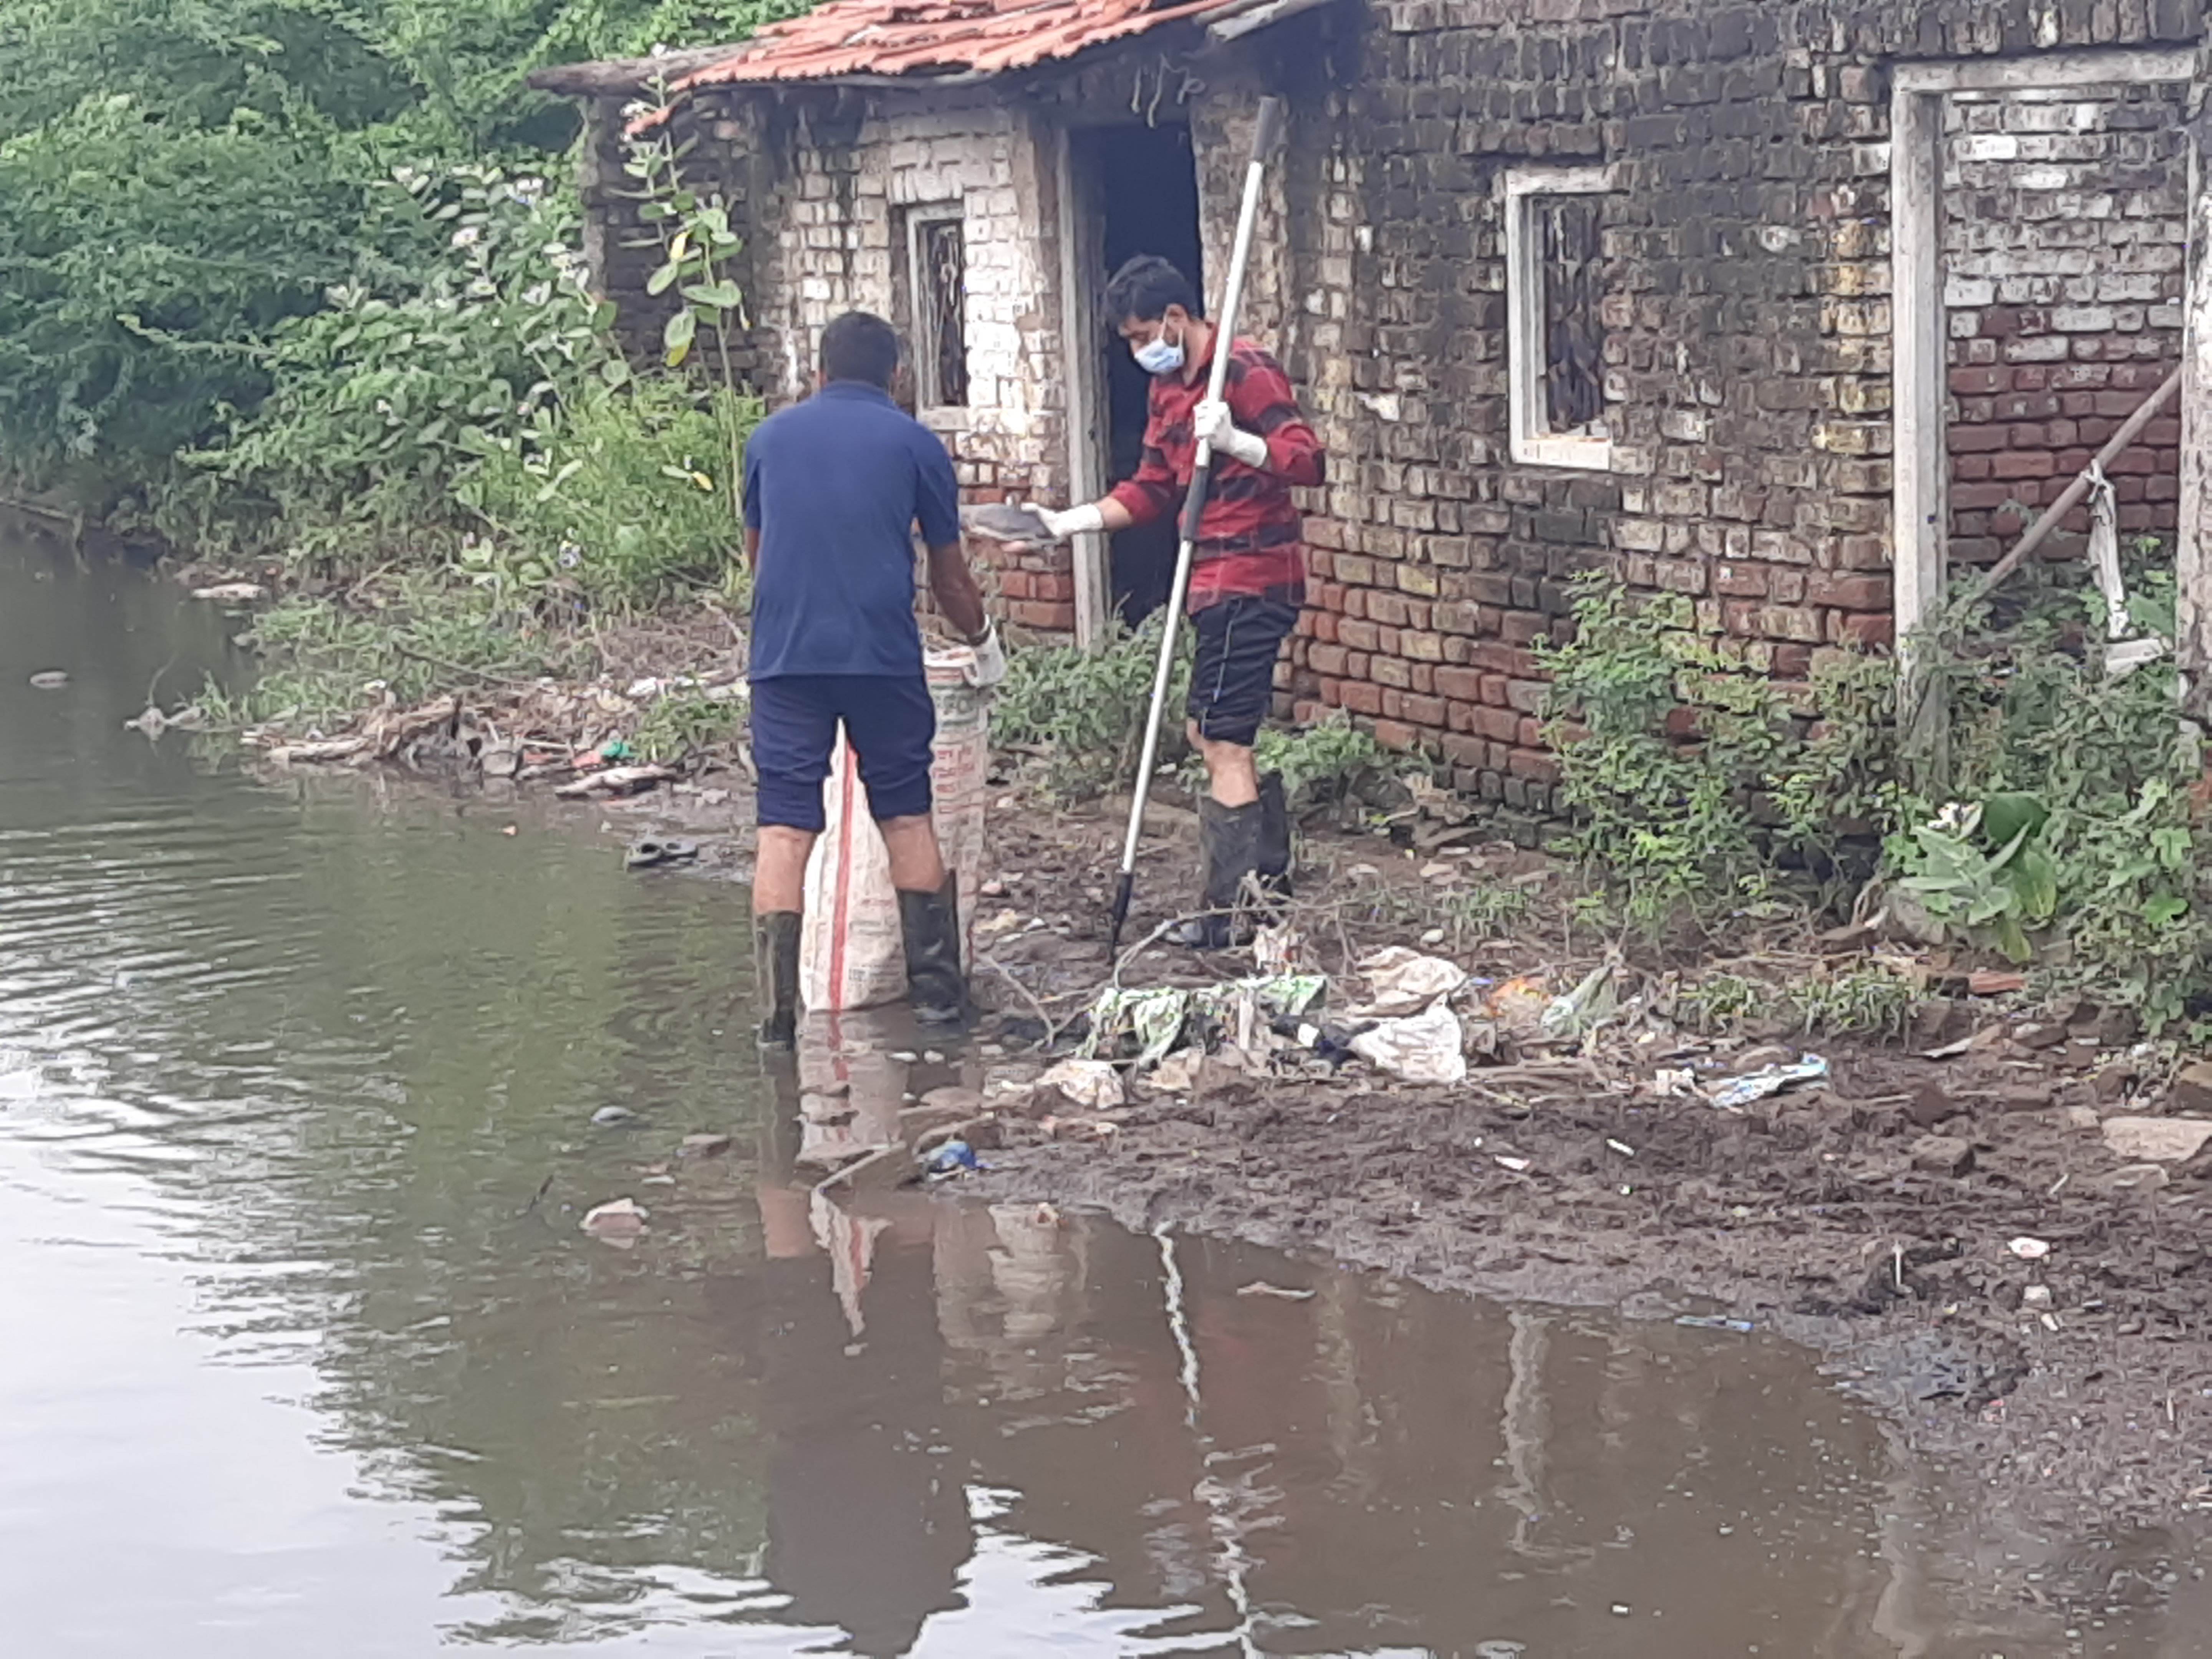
(835,485)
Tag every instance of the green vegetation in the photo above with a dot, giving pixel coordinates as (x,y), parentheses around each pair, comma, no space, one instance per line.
(1081,713)
(2055,825)
(299,277)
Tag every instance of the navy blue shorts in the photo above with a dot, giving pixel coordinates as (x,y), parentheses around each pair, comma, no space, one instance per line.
(890,723)
(1232,684)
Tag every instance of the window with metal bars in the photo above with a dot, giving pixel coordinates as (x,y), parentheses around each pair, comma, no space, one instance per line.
(937,287)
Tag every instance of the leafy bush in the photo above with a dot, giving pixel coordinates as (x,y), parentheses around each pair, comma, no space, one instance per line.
(1085,710)
(616,499)
(380,401)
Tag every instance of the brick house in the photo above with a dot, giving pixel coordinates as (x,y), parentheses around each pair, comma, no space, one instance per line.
(1784,305)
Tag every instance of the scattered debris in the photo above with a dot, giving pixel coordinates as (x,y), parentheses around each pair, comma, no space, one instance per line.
(1994,982)
(1261,1287)
(232,592)
(51,679)
(1091,1084)
(1766,1080)
(1589,1005)
(318,753)
(1424,1048)
(1401,981)
(1179,1071)
(703,1145)
(1518,1165)
(620,1221)
(2157,1140)
(1714,1322)
(1942,1155)
(2029,1249)
(652,851)
(608,1117)
(952,1158)
(615,780)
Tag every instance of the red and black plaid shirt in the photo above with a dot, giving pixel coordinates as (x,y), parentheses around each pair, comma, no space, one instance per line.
(1250,536)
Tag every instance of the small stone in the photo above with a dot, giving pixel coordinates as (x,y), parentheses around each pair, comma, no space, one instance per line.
(2082,1117)
(2192,1089)
(1931,1105)
(1942,1155)
(51,679)
(607,1117)
(2036,1295)
(2039,1034)
(2138,1178)
(2156,1140)
(703,1145)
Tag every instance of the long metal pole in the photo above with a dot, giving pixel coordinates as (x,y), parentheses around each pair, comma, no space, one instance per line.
(1266,131)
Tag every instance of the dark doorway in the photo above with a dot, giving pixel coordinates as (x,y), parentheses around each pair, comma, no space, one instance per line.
(1144,179)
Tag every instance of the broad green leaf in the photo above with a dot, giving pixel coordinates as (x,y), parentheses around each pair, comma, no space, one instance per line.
(2007,815)
(723,296)
(2013,941)
(664,278)
(2164,909)
(676,339)
(2034,878)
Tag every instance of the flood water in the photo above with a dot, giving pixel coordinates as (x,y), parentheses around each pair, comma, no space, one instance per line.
(305,1352)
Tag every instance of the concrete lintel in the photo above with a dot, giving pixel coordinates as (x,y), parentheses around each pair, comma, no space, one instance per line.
(2047,71)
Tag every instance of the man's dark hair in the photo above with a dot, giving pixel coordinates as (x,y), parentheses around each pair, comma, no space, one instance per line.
(1145,288)
(860,346)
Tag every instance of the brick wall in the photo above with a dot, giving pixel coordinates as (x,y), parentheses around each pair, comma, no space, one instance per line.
(818,181)
(1744,298)
(2064,244)
(1747,357)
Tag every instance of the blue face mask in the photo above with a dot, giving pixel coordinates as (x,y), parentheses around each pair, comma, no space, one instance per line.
(1160,356)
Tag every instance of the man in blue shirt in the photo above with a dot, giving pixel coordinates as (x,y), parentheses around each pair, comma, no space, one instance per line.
(833,489)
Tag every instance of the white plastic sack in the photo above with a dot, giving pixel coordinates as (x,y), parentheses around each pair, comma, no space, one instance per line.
(1404,982)
(851,951)
(1426,1047)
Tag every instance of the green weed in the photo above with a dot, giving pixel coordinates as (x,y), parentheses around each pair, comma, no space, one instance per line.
(1084,711)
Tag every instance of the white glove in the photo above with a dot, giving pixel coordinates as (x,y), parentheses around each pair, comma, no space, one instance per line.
(990,664)
(1217,430)
(1075,521)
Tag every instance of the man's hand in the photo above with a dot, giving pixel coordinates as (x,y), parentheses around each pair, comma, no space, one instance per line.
(1217,428)
(1075,521)
(990,658)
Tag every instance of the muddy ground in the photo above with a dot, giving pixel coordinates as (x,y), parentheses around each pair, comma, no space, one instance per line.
(1873,1215)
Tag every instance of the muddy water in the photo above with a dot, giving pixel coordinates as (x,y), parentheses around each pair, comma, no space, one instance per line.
(305,1352)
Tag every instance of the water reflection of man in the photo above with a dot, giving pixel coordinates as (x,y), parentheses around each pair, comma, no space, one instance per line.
(868,1525)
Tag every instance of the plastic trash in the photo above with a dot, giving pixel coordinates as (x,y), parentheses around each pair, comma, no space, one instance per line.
(1402,981)
(1766,1080)
(1714,1322)
(618,1221)
(2029,1249)
(1424,1047)
(954,1157)
(1091,1084)
(1586,1007)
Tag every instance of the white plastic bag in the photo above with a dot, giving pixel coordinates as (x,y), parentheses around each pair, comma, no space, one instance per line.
(852,954)
(1427,1047)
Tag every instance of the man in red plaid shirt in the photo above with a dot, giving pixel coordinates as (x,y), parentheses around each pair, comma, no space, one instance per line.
(1248,574)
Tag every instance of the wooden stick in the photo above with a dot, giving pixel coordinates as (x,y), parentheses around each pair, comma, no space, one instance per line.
(2039,531)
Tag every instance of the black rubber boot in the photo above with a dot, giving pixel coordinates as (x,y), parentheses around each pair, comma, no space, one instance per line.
(775,972)
(1227,851)
(930,923)
(1274,860)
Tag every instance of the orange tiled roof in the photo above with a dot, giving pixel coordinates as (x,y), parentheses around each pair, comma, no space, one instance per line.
(939,37)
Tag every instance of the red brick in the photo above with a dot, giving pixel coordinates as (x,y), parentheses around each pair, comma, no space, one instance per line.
(1868,629)
(1355,602)
(1393,734)
(1970,468)
(1423,711)
(1969,382)
(1850,593)
(1016,585)
(1054,587)
(1464,683)
(1740,581)
(1388,608)
(1536,763)
(1497,724)
(1465,752)
(1521,627)
(2015,465)
(1531,732)
(1361,697)
(1323,626)
(1359,636)
(1327,659)
(1971,440)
